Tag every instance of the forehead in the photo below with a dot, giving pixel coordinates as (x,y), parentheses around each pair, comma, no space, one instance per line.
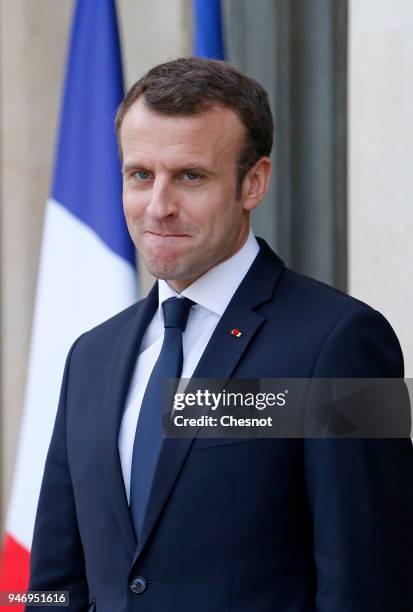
(212,134)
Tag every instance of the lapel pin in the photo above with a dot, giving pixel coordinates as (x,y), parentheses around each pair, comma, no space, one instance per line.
(236,332)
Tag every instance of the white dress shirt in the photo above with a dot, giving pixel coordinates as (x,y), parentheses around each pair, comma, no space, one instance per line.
(211,293)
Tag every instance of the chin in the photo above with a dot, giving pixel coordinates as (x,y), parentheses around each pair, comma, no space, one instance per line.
(166,270)
(165,263)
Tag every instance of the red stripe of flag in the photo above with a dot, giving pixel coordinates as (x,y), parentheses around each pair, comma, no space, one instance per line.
(14,570)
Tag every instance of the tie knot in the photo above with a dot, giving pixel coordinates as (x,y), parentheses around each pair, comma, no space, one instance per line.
(176,312)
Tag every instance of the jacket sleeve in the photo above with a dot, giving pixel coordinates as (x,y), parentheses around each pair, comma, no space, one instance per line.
(360,491)
(57,562)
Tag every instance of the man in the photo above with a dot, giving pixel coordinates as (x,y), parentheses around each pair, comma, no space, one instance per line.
(128,521)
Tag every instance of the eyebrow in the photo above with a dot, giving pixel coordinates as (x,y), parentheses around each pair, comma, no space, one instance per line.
(129,167)
(195,167)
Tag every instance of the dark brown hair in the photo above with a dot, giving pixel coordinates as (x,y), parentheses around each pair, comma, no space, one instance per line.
(189,86)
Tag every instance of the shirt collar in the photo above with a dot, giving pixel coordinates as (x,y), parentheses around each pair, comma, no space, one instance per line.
(214,289)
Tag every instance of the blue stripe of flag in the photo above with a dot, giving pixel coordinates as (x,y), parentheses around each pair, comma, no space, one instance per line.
(87,177)
(207,21)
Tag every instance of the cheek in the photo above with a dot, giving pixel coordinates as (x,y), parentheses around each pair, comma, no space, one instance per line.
(209,207)
(228,214)
(133,204)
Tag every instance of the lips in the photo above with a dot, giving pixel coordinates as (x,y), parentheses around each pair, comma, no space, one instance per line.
(165,235)
(165,241)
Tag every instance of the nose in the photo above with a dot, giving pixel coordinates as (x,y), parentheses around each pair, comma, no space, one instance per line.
(162,202)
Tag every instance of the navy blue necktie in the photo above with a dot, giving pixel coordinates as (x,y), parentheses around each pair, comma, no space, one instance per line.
(148,436)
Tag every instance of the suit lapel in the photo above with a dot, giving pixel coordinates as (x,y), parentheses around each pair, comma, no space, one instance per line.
(121,370)
(219,360)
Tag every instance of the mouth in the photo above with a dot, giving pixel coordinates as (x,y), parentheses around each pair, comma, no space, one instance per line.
(161,235)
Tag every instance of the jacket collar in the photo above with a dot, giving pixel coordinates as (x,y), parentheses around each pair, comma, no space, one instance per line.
(122,364)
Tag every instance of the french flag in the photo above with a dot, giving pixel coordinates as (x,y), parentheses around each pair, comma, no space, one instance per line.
(87,266)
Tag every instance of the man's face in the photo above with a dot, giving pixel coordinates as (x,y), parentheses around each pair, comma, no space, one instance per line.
(179,190)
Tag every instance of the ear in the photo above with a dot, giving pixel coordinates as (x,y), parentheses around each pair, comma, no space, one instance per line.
(256,183)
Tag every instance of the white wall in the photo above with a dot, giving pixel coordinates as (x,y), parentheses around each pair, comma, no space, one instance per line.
(381,161)
(33,38)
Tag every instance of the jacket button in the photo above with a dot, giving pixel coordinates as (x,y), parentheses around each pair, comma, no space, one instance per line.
(138,585)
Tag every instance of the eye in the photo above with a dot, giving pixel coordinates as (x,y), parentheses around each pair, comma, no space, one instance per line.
(141,175)
(192,176)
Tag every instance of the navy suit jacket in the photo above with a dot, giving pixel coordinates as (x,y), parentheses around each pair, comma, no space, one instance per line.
(260,525)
